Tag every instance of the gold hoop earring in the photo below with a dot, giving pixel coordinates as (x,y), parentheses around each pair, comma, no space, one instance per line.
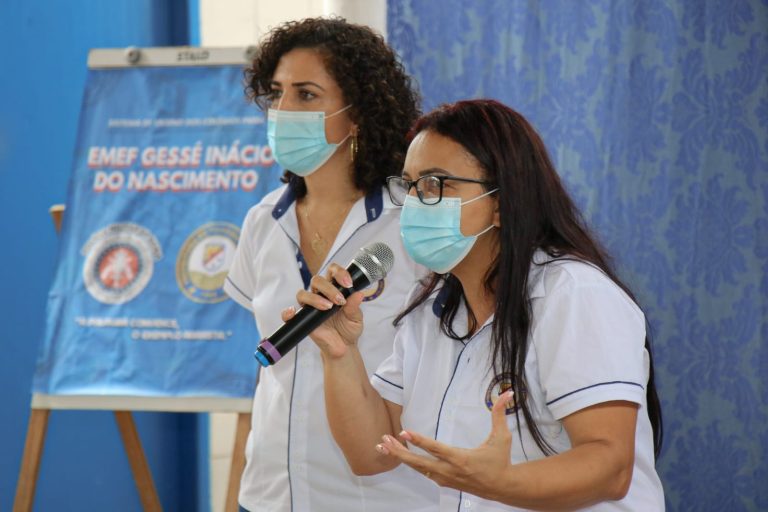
(353,148)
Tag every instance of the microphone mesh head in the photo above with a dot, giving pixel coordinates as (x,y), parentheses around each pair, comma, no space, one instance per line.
(376,260)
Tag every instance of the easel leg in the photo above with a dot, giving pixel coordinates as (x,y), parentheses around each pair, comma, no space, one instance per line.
(238,461)
(141,474)
(30,462)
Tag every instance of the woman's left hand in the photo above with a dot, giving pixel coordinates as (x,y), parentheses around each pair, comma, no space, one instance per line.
(472,470)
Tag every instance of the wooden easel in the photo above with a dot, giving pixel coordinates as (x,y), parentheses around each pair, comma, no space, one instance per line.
(43,404)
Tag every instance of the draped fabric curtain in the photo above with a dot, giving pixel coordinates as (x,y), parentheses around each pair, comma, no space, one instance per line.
(656,115)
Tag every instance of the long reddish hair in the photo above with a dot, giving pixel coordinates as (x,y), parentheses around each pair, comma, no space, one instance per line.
(537,213)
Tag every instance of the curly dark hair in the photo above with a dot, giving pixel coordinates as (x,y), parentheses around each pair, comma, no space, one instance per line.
(371,78)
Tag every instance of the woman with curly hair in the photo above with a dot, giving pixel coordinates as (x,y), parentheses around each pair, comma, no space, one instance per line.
(339,106)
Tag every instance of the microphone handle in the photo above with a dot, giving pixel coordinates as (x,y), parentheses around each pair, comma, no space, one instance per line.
(306,320)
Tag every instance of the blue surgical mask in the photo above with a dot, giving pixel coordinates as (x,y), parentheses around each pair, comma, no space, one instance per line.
(432,233)
(297,139)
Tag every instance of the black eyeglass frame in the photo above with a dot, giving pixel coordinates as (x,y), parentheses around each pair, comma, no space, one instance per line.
(413,183)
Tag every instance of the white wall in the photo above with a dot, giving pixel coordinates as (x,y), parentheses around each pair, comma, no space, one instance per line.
(243,22)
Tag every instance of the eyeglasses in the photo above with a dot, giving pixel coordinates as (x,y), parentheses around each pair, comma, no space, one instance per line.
(429,189)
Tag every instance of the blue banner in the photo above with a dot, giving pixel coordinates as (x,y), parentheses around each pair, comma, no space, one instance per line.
(168,160)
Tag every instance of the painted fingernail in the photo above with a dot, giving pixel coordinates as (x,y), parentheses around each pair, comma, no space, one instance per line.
(326,304)
(340,299)
(510,395)
(347,282)
(289,309)
(405,435)
(382,449)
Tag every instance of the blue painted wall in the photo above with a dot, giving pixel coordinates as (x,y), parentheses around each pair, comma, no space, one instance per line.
(45,47)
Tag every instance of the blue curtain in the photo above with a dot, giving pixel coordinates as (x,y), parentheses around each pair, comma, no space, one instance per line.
(656,114)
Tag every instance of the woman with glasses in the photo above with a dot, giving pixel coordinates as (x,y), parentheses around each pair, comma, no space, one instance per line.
(521,375)
(338,107)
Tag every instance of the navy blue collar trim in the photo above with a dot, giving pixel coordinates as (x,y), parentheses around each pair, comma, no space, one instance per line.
(374,203)
(306,275)
(440,300)
(285,201)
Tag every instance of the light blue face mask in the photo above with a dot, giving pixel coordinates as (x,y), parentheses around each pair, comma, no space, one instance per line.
(297,139)
(432,233)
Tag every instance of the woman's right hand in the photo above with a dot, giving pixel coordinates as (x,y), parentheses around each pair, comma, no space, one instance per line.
(341,330)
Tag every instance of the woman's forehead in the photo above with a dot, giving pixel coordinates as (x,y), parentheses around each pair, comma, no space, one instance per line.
(300,65)
(431,150)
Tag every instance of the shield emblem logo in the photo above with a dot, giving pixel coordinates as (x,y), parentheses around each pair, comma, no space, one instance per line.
(213,256)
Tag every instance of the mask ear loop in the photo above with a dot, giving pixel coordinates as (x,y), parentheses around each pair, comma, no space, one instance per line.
(484,231)
(338,111)
(475,199)
(480,196)
(342,141)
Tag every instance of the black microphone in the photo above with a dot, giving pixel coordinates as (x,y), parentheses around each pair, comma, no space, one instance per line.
(370,264)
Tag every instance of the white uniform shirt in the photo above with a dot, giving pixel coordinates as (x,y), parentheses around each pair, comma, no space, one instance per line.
(292,461)
(586,347)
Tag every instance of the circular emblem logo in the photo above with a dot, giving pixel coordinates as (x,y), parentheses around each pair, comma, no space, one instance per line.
(373,292)
(119,261)
(204,260)
(499,385)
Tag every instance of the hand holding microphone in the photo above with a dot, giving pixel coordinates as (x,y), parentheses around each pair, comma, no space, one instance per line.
(369,265)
